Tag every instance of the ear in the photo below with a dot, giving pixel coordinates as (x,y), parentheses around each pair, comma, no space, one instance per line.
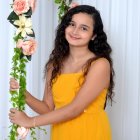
(93,37)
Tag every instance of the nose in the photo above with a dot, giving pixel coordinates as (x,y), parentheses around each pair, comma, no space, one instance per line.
(76,30)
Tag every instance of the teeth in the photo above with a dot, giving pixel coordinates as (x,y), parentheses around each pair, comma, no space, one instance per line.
(74,37)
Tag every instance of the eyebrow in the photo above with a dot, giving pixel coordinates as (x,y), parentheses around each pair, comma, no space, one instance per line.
(82,24)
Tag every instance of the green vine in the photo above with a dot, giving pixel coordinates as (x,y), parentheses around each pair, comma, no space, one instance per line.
(63,7)
(19,73)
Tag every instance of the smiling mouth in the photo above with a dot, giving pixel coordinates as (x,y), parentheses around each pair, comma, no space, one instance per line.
(73,37)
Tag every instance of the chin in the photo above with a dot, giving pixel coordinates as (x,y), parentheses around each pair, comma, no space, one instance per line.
(74,42)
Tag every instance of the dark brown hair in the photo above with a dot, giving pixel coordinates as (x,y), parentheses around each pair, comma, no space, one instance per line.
(99,46)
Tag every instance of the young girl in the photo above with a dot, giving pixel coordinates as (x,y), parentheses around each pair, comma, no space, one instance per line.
(79,80)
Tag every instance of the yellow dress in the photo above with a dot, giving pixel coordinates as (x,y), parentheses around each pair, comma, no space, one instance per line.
(92,124)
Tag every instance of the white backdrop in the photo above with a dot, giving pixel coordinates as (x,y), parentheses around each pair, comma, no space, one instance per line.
(122,25)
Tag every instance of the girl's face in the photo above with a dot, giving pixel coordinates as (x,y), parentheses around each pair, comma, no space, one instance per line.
(80,30)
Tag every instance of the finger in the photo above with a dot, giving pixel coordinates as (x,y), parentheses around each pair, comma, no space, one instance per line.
(12,121)
(14,87)
(12,79)
(11,114)
(13,110)
(14,83)
(11,118)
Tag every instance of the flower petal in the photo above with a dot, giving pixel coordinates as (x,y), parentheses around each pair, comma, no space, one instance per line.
(28,23)
(23,33)
(22,18)
(17,22)
(29,30)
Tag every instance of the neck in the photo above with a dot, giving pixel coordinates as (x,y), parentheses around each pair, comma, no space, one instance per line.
(80,53)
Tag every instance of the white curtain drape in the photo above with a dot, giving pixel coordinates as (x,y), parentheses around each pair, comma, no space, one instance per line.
(122,25)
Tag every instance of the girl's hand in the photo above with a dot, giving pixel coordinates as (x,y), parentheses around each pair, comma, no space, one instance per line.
(14,85)
(20,118)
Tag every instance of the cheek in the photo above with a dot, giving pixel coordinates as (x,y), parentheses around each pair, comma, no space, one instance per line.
(87,36)
(67,30)
(90,35)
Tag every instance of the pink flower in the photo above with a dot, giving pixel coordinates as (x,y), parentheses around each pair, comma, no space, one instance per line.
(32,3)
(28,46)
(20,6)
(22,132)
(73,4)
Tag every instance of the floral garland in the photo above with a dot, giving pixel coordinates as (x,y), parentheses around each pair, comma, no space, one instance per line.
(64,6)
(26,45)
(24,38)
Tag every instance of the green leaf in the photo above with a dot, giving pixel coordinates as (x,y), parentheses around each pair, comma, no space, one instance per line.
(23,60)
(57,1)
(17,37)
(13,16)
(21,55)
(13,92)
(29,57)
(62,8)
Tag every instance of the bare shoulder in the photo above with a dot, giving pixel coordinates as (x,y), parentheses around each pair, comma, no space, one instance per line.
(101,64)
(99,72)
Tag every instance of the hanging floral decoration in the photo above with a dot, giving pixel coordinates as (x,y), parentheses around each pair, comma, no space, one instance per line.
(26,45)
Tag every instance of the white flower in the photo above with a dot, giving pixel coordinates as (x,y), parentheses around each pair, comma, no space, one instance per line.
(24,26)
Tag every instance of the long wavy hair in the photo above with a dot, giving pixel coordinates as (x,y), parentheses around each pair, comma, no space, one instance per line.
(98,46)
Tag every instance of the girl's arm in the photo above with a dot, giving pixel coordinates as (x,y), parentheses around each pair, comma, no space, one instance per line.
(40,106)
(97,79)
(46,105)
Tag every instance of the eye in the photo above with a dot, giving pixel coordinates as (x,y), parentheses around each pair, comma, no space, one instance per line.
(71,24)
(84,28)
